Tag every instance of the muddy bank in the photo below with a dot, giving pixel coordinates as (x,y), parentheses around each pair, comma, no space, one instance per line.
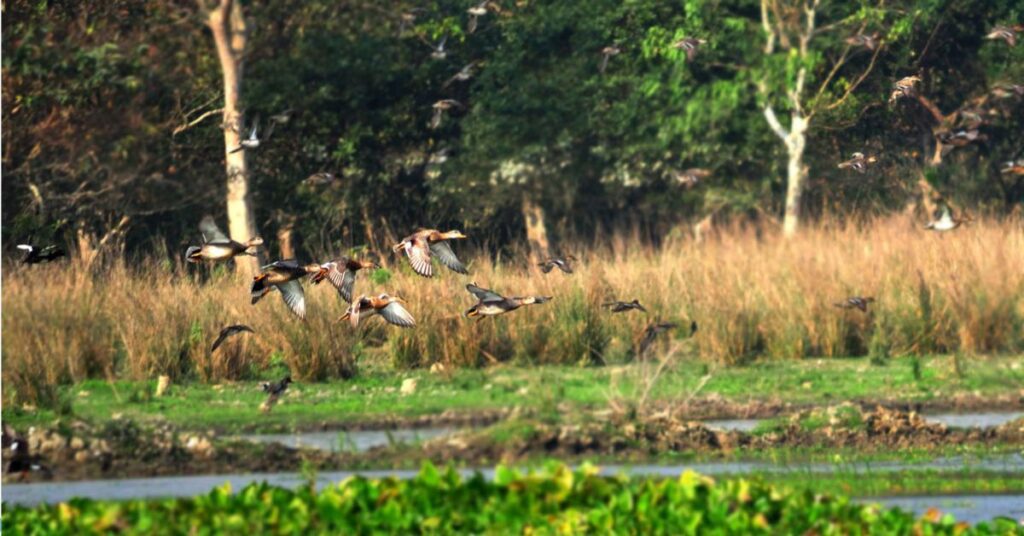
(844,426)
(122,448)
(711,407)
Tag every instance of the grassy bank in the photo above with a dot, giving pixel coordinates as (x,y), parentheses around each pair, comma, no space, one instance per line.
(556,500)
(756,298)
(937,382)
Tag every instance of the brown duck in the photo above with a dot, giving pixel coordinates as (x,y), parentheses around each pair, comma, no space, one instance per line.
(387,307)
(1006,33)
(420,246)
(689,44)
(562,263)
(858,162)
(856,302)
(692,177)
(623,306)
(285,276)
(904,87)
(217,247)
(490,303)
(342,274)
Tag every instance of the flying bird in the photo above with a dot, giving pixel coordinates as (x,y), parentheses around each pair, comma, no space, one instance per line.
(904,87)
(420,246)
(342,274)
(1014,167)
(251,142)
(36,255)
(562,263)
(440,107)
(623,306)
(858,162)
(1006,33)
(320,178)
(606,53)
(229,331)
(691,177)
(285,276)
(856,302)
(389,308)
(437,51)
(946,221)
(274,391)
(490,303)
(217,247)
(869,42)
(690,45)
(464,74)
(475,12)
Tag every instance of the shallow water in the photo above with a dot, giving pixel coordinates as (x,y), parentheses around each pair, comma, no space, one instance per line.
(188,486)
(970,508)
(952,420)
(356,441)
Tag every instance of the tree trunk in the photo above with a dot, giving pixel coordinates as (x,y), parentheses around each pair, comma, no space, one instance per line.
(285,237)
(227,23)
(536,231)
(796,174)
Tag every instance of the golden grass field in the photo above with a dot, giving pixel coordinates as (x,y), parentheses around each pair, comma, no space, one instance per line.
(754,296)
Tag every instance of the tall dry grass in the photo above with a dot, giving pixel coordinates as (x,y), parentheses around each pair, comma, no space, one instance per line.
(754,295)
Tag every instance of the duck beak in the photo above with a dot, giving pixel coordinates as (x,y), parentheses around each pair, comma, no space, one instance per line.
(318,276)
(471,313)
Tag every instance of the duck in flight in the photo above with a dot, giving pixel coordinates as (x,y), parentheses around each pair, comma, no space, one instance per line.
(217,247)
(284,275)
(856,302)
(490,303)
(945,220)
(422,245)
(229,331)
(562,263)
(274,391)
(251,142)
(342,274)
(623,306)
(36,255)
(389,308)
(858,162)
(689,44)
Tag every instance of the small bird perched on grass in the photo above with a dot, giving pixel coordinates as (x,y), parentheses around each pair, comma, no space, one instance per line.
(858,302)
(217,247)
(562,263)
(490,303)
(606,53)
(692,177)
(858,162)
(274,391)
(946,221)
(690,45)
(251,142)
(342,274)
(622,306)
(229,331)
(1006,33)
(387,307)
(37,255)
(420,246)
(904,87)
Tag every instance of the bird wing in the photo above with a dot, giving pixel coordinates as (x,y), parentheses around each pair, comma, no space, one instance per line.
(210,231)
(447,256)
(483,293)
(419,257)
(564,266)
(25,247)
(293,297)
(343,280)
(394,313)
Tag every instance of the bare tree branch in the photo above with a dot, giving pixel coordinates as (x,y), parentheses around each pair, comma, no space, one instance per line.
(182,128)
(773,122)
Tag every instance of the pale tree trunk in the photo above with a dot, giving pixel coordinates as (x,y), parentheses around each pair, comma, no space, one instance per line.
(536,231)
(796,174)
(227,22)
(285,238)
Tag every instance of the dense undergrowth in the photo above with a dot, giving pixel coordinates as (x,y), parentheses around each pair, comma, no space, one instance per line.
(755,296)
(556,500)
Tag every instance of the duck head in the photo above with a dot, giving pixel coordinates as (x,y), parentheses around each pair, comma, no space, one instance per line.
(453,234)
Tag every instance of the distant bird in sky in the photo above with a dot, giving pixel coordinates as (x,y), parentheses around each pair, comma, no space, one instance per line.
(285,276)
(463,75)
(858,162)
(856,302)
(320,178)
(274,391)
(562,263)
(36,255)
(342,274)
(229,331)
(438,52)
(440,107)
(690,45)
(490,303)
(606,53)
(251,142)
(623,306)
(475,12)
(420,246)
(1006,33)
(217,247)
(691,177)
(904,87)
(389,308)
(946,221)
(869,42)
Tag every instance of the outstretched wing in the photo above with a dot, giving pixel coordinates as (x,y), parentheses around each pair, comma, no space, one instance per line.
(419,257)
(447,256)
(293,297)
(25,247)
(220,338)
(342,279)
(483,294)
(211,233)
(397,315)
